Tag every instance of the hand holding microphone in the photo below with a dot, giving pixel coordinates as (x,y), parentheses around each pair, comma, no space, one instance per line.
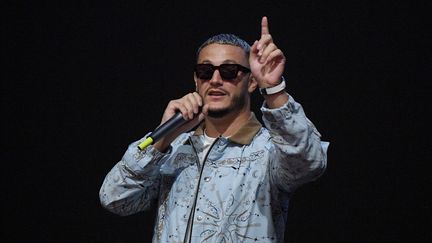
(180,116)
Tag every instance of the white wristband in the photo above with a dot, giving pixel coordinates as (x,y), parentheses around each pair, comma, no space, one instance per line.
(274,89)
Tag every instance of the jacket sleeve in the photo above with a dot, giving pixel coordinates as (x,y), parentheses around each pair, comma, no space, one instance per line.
(300,156)
(133,183)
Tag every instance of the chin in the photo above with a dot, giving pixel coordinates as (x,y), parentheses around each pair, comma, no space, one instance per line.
(220,109)
(218,113)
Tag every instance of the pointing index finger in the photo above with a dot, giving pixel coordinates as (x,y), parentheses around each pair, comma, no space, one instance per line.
(264,26)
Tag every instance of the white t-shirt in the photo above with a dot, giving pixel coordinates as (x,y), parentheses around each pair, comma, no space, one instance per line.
(207,142)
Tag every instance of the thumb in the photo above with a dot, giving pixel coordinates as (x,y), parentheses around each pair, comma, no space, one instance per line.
(253,51)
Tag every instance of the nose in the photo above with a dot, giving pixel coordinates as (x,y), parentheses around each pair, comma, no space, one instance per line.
(216,79)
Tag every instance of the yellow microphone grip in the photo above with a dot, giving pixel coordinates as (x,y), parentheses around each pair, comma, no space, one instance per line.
(145,143)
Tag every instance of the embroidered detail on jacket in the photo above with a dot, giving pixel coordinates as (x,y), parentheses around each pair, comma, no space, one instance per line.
(236,160)
(226,220)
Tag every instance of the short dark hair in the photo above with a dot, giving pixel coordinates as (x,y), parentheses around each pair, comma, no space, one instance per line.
(225,39)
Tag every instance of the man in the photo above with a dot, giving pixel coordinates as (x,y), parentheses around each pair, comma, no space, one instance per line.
(230,179)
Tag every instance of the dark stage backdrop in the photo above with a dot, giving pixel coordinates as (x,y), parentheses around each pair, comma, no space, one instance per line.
(83,79)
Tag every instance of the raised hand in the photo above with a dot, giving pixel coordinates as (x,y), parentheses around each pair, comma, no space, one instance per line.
(266,60)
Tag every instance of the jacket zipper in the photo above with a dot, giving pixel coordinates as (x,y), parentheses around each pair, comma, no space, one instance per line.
(188,233)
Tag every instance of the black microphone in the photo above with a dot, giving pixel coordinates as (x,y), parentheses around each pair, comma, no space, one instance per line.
(169,126)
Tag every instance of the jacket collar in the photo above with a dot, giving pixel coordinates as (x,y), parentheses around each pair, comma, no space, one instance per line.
(243,136)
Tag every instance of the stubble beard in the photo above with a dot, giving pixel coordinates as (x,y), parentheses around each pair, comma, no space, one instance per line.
(238,102)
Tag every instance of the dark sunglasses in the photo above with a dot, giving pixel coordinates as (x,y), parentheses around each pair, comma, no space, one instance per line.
(227,71)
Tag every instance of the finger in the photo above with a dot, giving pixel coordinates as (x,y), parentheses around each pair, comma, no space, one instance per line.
(265,53)
(192,100)
(254,47)
(263,43)
(183,109)
(253,51)
(205,109)
(172,107)
(276,55)
(264,26)
(197,98)
(189,105)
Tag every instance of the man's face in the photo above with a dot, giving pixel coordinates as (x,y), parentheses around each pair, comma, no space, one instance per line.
(224,96)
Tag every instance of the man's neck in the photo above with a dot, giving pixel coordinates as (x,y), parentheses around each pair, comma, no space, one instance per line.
(227,125)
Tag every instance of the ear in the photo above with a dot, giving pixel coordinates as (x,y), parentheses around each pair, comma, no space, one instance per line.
(253,84)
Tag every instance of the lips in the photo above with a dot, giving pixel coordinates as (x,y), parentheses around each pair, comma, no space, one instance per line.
(216,93)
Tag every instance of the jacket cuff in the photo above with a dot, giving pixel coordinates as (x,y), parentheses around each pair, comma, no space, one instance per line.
(143,161)
(281,113)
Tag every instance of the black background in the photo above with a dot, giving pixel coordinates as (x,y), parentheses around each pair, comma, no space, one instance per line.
(83,79)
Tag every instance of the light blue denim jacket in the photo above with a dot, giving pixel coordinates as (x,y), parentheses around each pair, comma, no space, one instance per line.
(241,193)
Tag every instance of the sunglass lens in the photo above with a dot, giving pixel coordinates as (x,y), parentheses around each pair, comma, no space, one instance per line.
(228,71)
(204,71)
